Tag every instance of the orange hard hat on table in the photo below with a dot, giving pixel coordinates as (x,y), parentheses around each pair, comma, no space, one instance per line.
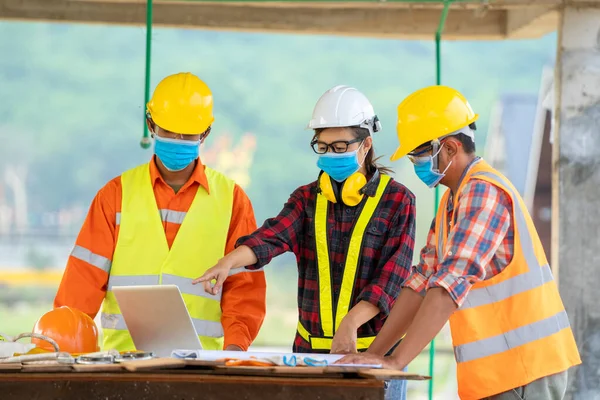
(73,330)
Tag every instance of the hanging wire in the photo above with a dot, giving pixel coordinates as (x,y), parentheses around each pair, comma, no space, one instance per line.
(146,142)
(438,81)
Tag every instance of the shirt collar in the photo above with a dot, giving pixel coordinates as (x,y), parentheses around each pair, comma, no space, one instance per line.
(471,164)
(371,186)
(198,175)
(462,177)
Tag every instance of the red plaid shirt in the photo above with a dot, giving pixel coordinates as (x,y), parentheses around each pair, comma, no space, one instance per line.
(385,262)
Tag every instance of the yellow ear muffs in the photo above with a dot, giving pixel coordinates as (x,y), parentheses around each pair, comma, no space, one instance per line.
(351,189)
(327,188)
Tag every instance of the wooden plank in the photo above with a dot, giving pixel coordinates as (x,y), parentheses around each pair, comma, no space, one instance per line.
(371,19)
(54,367)
(202,363)
(10,367)
(531,22)
(391,374)
(301,372)
(323,372)
(98,368)
(153,364)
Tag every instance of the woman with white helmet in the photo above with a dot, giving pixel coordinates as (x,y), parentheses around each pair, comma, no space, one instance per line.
(352,231)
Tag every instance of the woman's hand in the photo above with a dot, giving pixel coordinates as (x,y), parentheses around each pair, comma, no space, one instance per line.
(219,273)
(367,358)
(344,340)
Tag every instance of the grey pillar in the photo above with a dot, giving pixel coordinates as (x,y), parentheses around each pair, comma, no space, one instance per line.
(576,188)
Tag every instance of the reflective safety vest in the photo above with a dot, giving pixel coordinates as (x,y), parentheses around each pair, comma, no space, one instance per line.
(512,328)
(329,314)
(142,255)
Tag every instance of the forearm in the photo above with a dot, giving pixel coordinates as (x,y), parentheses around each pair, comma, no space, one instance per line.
(435,310)
(397,322)
(241,257)
(361,313)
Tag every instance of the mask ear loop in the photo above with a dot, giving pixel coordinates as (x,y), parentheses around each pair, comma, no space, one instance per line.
(436,156)
(365,157)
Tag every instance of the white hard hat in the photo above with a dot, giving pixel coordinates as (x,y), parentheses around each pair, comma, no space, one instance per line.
(343,106)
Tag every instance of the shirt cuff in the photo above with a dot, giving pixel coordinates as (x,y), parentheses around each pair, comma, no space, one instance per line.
(237,336)
(416,281)
(253,244)
(457,286)
(376,295)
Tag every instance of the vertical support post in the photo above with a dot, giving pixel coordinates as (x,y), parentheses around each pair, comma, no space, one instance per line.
(438,81)
(576,187)
(146,142)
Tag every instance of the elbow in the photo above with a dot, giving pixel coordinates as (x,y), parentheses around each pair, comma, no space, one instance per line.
(447,304)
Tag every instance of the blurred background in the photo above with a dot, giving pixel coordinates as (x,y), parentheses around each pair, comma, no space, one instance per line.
(71,119)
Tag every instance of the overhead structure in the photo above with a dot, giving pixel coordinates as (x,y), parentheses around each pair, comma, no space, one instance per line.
(394,19)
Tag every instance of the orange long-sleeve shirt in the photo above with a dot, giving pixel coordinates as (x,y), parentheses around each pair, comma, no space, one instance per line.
(83,285)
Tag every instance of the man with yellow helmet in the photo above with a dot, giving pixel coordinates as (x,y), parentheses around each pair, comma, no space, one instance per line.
(483,268)
(166,222)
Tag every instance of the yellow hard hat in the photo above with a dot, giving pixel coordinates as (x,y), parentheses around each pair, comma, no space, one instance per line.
(182,103)
(430,113)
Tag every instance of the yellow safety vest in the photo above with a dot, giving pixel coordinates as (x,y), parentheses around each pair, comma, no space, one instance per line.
(512,328)
(142,255)
(328,316)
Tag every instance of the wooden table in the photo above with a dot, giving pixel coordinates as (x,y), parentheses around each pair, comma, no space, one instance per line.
(182,385)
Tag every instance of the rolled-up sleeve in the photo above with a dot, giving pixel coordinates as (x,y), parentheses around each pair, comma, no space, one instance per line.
(279,234)
(483,219)
(395,261)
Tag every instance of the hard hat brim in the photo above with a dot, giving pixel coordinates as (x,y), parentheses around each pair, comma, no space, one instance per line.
(398,154)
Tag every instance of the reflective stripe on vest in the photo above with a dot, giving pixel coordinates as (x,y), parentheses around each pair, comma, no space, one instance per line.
(515,317)
(323,343)
(98,261)
(142,255)
(327,313)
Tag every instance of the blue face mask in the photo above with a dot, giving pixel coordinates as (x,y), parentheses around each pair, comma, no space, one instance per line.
(176,154)
(424,170)
(339,166)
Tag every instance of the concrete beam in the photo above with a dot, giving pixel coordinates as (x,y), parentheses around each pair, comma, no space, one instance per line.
(531,22)
(397,20)
(576,188)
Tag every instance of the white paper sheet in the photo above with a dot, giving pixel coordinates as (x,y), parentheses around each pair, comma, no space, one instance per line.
(212,355)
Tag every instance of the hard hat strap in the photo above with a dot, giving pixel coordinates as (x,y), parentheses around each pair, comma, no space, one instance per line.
(436,148)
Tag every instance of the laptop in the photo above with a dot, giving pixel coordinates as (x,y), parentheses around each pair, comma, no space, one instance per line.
(157,318)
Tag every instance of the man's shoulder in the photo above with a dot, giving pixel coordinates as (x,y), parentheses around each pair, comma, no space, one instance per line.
(113,187)
(215,177)
(111,191)
(477,188)
(213,173)
(399,190)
